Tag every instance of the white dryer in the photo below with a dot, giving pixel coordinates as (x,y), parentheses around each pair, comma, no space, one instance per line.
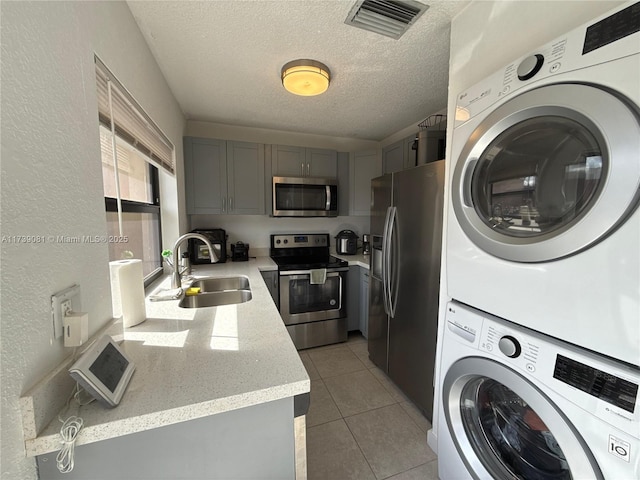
(543,225)
(518,404)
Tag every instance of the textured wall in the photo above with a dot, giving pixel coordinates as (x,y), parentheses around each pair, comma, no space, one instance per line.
(52,180)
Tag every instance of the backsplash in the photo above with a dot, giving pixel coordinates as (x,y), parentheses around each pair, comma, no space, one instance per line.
(255,229)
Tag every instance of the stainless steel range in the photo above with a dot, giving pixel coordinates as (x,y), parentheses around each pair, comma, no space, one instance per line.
(312,289)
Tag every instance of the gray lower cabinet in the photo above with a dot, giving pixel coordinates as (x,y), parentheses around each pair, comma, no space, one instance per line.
(364,302)
(224,177)
(271,278)
(353,299)
(358,300)
(251,442)
(290,161)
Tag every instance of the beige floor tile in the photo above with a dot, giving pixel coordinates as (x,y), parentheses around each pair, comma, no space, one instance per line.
(361,349)
(335,361)
(356,337)
(312,371)
(332,454)
(390,440)
(322,408)
(428,471)
(416,415)
(388,384)
(357,392)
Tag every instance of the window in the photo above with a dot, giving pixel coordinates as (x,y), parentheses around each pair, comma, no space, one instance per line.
(130,174)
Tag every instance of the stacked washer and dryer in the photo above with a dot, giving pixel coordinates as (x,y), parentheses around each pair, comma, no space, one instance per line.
(540,356)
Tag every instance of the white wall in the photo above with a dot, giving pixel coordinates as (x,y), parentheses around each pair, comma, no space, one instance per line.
(486,36)
(52,180)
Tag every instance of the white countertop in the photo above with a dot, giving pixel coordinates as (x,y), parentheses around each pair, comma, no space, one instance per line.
(359,259)
(192,363)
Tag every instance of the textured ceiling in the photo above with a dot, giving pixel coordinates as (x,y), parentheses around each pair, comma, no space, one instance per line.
(222,60)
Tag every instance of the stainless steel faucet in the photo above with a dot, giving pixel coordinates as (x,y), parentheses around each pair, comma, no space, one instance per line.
(176,281)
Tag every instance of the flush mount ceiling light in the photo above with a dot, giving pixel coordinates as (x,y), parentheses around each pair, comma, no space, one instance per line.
(305,77)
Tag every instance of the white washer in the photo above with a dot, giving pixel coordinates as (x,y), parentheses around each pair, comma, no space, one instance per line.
(543,224)
(519,404)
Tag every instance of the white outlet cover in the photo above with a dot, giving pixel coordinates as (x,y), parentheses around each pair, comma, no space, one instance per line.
(56,307)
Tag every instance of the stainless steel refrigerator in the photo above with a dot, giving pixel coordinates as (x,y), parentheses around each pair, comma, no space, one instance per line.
(406,236)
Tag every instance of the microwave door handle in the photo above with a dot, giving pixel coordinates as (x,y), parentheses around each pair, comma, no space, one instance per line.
(327,205)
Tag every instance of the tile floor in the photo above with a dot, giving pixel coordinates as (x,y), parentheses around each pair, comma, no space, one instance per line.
(359,424)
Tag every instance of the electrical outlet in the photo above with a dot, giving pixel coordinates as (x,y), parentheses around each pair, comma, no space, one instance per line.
(59,299)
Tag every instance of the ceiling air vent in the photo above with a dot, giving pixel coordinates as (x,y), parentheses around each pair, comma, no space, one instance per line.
(386,17)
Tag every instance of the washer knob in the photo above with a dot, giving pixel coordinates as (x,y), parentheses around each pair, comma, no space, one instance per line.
(530,66)
(509,346)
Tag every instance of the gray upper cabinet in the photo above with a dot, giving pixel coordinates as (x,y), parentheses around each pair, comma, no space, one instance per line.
(288,161)
(245,178)
(399,155)
(321,163)
(393,157)
(224,177)
(363,167)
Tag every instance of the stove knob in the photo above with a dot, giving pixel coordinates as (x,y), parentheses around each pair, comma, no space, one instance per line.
(278,241)
(509,346)
(530,66)
(286,241)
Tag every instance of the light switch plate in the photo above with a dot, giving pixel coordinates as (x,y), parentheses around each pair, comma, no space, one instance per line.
(56,307)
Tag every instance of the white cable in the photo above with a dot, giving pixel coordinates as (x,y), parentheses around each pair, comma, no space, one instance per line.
(69,432)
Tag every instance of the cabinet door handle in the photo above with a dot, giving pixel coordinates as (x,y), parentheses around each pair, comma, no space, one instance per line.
(302,169)
(230,204)
(308,170)
(224,204)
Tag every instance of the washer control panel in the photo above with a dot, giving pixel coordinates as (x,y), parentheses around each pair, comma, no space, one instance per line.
(603,387)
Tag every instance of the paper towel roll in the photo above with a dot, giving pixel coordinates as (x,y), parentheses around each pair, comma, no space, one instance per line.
(127,291)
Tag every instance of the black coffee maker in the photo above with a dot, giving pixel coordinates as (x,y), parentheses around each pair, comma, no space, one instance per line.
(239,252)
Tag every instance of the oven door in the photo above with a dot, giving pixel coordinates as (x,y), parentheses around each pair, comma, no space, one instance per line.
(302,301)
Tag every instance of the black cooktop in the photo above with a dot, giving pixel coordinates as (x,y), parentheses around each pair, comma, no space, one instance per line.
(308,262)
(303,252)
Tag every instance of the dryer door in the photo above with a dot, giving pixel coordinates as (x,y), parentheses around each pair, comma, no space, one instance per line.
(549,173)
(504,427)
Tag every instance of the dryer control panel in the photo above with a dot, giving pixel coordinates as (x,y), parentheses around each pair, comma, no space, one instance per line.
(608,38)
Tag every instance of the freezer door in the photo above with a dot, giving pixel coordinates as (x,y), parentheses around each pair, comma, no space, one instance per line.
(418,197)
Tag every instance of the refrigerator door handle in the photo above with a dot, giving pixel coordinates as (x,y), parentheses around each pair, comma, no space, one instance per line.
(392,276)
(385,262)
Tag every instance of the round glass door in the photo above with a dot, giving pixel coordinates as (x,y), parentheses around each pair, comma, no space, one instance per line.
(506,428)
(538,176)
(555,159)
(508,435)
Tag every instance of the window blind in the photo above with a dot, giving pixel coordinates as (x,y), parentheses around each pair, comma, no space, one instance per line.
(131,123)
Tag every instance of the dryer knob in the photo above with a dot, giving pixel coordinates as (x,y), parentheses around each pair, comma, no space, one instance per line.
(509,346)
(530,66)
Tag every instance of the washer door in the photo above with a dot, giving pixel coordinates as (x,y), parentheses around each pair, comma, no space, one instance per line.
(505,428)
(549,173)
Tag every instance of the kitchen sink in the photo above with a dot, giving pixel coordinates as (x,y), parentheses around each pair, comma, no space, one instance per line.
(219,284)
(215,299)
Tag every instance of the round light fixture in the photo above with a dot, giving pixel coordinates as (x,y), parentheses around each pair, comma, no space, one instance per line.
(305,77)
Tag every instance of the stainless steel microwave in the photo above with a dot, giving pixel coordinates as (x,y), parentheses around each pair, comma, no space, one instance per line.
(305,197)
